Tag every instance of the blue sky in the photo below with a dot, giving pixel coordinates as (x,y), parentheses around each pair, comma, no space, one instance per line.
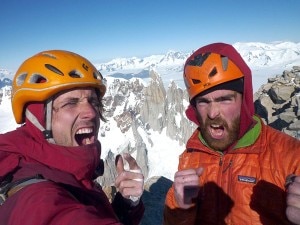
(101,30)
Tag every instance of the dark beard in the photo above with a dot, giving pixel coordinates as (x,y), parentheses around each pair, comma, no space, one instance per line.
(220,145)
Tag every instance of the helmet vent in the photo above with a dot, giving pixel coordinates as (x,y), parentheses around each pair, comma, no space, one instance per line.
(37,78)
(196,81)
(98,76)
(54,69)
(20,79)
(224,60)
(199,59)
(213,72)
(75,74)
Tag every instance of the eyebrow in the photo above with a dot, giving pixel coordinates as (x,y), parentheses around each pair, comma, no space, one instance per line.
(79,97)
(71,98)
(228,96)
(68,99)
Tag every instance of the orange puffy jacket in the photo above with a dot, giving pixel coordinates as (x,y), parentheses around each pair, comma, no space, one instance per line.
(244,186)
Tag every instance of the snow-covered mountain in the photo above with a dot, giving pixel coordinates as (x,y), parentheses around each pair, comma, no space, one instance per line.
(268,55)
(145,102)
(256,54)
(5,73)
(4,77)
(171,58)
(264,59)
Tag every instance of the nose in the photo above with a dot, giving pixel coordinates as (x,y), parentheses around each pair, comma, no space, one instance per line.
(213,110)
(87,110)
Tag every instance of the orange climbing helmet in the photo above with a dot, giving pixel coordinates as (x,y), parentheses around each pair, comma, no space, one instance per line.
(48,73)
(203,71)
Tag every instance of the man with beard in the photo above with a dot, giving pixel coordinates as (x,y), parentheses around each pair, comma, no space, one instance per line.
(235,169)
(49,164)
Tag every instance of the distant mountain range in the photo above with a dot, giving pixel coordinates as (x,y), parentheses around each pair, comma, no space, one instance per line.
(259,56)
(256,54)
(4,78)
(265,60)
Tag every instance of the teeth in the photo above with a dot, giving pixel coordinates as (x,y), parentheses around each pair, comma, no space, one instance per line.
(88,141)
(84,131)
(85,136)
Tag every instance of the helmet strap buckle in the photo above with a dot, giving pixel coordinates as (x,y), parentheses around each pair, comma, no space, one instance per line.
(47,134)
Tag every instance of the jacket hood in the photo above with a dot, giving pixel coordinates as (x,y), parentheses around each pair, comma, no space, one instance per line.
(247,108)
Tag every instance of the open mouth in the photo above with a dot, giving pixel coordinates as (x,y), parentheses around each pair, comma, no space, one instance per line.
(85,136)
(216,131)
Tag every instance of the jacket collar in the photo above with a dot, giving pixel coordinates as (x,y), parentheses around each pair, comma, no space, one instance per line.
(27,144)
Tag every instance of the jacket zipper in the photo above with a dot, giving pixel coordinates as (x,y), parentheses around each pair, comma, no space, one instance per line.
(222,176)
(227,167)
(221,164)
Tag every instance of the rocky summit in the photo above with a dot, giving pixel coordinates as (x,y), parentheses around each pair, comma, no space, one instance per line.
(278,102)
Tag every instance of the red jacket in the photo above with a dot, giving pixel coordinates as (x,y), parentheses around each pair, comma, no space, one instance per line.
(69,196)
(243,186)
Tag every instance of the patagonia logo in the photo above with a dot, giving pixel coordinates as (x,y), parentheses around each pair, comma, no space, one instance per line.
(247,179)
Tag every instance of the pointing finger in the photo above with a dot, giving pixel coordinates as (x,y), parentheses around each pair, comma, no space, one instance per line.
(131,162)
(119,164)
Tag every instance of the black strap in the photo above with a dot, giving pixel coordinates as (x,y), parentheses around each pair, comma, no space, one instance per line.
(7,185)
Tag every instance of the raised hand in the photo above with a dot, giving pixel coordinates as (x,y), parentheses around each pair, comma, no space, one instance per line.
(130,183)
(293,199)
(186,186)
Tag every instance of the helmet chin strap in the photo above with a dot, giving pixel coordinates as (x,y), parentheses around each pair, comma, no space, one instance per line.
(47,132)
(49,120)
